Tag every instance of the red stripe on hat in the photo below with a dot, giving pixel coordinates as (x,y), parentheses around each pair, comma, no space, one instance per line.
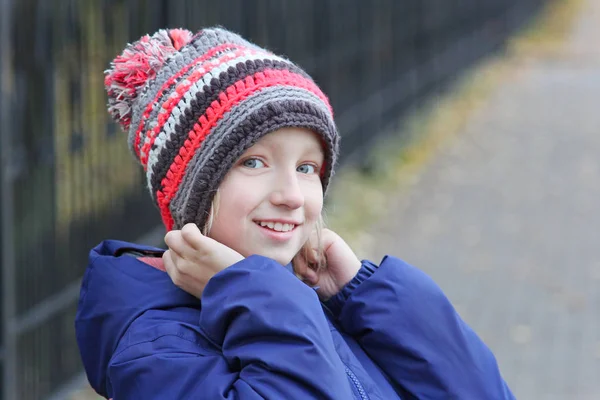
(233,95)
(181,89)
(169,82)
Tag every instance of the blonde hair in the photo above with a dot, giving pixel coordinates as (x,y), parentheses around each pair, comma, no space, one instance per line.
(318,247)
(304,250)
(212,213)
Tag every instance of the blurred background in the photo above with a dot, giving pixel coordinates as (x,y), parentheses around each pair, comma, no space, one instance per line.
(469,149)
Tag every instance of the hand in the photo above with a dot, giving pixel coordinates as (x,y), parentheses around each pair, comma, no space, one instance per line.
(192,258)
(341,265)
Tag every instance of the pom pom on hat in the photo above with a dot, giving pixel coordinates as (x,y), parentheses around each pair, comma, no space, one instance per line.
(139,63)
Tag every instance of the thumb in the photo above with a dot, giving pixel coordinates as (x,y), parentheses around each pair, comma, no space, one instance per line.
(328,237)
(192,235)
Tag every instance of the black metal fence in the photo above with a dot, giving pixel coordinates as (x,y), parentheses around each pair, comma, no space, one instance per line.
(68,180)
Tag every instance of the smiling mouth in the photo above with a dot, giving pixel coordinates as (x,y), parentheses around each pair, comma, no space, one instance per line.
(276,226)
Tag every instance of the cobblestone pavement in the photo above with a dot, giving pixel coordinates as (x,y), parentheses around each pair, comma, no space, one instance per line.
(506,220)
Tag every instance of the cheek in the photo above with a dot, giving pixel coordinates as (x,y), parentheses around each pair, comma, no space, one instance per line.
(227,227)
(313,202)
(232,215)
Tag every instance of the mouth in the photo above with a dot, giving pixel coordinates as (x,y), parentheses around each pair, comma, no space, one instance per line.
(277,226)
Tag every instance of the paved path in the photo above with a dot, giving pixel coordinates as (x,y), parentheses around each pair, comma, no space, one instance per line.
(507,220)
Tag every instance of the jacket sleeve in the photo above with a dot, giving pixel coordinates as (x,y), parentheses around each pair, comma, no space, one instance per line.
(270,337)
(410,329)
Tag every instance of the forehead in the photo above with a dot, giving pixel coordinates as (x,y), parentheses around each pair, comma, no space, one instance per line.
(292,138)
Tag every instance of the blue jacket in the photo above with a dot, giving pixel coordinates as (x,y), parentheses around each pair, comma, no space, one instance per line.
(263,334)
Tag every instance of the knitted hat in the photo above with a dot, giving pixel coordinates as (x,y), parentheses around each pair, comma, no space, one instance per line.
(192,104)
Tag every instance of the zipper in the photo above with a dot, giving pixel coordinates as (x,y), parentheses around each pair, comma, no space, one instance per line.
(354,379)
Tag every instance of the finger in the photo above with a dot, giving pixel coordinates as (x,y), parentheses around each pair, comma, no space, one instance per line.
(314,251)
(304,272)
(168,262)
(175,242)
(320,242)
(311,255)
(178,246)
(192,236)
(172,264)
(311,277)
(300,265)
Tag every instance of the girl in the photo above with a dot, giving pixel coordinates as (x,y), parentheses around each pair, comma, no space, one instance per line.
(258,301)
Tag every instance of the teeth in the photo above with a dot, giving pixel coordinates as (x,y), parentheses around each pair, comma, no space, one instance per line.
(270,225)
(277,226)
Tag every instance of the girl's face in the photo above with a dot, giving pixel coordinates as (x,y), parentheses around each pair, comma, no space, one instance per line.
(271,199)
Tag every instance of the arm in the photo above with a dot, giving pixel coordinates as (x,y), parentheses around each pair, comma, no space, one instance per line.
(271,339)
(407,325)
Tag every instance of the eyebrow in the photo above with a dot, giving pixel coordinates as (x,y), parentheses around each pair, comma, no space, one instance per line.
(312,148)
(315,150)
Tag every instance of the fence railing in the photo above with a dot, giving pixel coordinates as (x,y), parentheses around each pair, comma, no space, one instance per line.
(68,180)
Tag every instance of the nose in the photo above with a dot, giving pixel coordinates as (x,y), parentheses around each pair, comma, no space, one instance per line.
(287,191)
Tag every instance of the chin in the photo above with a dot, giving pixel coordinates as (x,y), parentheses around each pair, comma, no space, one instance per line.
(283,259)
(282,254)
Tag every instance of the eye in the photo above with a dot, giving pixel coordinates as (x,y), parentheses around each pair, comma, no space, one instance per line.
(253,163)
(306,169)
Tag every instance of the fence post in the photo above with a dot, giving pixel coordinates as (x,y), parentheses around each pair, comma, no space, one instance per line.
(7,264)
